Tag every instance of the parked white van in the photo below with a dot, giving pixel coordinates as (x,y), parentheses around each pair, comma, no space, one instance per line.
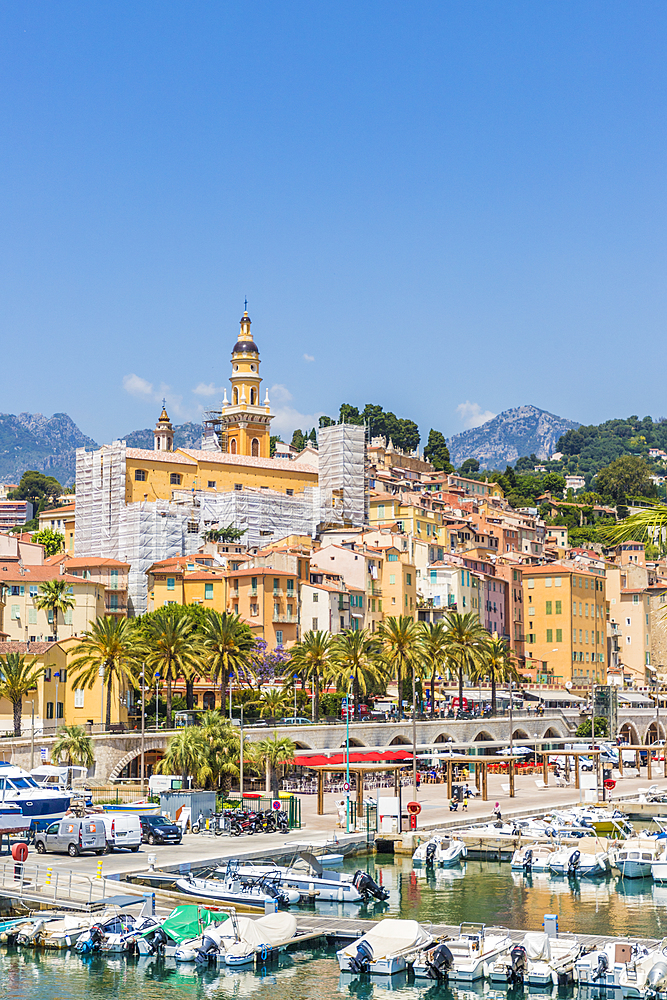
(122,830)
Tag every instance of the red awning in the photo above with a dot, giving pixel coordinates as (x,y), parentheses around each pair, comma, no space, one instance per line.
(356,757)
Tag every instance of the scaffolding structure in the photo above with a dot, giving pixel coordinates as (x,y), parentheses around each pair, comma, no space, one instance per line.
(265,515)
(100,499)
(214,435)
(148,533)
(342,477)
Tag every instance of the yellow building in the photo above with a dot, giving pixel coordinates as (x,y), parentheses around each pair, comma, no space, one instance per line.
(60,519)
(246,426)
(268,600)
(55,699)
(399,582)
(566,622)
(187,580)
(24,621)
(413,519)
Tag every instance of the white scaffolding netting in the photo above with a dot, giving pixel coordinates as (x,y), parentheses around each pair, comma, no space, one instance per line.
(342,478)
(100,498)
(148,533)
(265,515)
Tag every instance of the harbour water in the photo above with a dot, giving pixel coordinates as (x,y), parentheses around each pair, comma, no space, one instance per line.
(485,891)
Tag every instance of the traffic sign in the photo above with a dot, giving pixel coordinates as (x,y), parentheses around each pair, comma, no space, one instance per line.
(344,703)
(346,786)
(276,805)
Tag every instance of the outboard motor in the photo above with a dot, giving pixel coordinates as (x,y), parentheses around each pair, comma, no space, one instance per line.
(516,970)
(207,951)
(439,963)
(158,942)
(92,941)
(367,887)
(528,861)
(573,862)
(603,965)
(656,981)
(362,960)
(431,849)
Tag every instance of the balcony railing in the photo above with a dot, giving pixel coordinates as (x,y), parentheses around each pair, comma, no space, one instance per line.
(284,618)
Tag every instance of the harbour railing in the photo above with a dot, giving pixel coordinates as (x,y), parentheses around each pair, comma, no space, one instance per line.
(41,881)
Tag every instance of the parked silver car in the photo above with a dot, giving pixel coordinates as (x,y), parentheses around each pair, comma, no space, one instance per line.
(72,836)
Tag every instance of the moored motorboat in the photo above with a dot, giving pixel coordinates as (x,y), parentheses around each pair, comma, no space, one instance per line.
(439,851)
(635,857)
(603,966)
(185,923)
(308,877)
(540,959)
(532,858)
(646,976)
(235,891)
(389,947)
(464,958)
(39,805)
(580,862)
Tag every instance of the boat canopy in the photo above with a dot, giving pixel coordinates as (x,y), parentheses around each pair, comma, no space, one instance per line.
(187,922)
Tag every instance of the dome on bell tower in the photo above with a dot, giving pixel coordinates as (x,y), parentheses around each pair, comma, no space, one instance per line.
(245,343)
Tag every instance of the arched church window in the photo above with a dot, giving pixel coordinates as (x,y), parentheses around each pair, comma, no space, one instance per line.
(236,397)
(255,447)
(253,393)
(232,446)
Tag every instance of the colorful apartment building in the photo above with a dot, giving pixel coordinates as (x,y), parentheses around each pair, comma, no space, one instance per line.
(60,519)
(566,621)
(108,573)
(24,621)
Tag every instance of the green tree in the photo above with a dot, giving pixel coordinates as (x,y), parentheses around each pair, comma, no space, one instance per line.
(228,648)
(325,421)
(624,479)
(468,467)
(349,414)
(399,640)
(298,440)
(173,649)
(466,644)
(601,728)
(226,535)
(17,677)
(273,702)
(187,754)
(53,541)
(35,486)
(433,651)
(273,440)
(356,662)
(273,752)
(113,645)
(437,452)
(224,748)
(55,596)
(74,745)
(312,658)
(498,664)
(312,437)
(553,483)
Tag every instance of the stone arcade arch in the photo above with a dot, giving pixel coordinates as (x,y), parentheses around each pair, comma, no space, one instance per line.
(443,738)
(400,741)
(353,743)
(152,745)
(654,732)
(484,737)
(629,734)
(520,734)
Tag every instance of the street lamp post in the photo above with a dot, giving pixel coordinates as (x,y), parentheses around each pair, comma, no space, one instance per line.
(157,708)
(511,707)
(57,677)
(414,731)
(100,674)
(143,730)
(347,757)
(32,735)
(241,760)
(536,739)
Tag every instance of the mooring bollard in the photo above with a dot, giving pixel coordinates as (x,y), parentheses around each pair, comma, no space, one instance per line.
(49,873)
(99,868)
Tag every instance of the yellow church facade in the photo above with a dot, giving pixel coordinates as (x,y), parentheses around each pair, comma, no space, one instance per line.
(243,459)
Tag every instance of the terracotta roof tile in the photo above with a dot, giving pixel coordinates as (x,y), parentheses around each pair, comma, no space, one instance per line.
(222,458)
(169,457)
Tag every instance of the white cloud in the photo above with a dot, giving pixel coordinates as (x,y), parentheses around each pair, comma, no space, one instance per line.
(287,418)
(204,389)
(137,386)
(308,357)
(472,415)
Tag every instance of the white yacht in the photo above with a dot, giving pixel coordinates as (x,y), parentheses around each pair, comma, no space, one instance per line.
(388,948)
(235,891)
(465,958)
(40,805)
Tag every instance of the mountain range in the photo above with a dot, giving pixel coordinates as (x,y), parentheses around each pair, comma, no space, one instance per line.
(48,444)
(524,430)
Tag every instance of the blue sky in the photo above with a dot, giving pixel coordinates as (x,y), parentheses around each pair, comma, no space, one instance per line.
(446,208)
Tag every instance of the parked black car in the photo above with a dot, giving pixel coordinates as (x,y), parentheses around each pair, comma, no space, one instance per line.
(159,830)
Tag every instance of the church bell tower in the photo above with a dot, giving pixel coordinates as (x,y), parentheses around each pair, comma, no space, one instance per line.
(246,425)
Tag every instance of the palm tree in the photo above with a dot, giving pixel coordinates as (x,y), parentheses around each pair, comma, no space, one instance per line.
(399,638)
(75,745)
(466,640)
(356,660)
(17,678)
(228,644)
(433,651)
(187,753)
(498,664)
(273,753)
(173,649)
(112,644)
(273,702)
(55,596)
(224,747)
(312,658)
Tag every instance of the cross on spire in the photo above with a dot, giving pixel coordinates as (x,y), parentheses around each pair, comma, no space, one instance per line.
(246,303)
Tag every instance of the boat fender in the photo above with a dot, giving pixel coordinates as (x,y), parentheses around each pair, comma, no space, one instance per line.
(528,860)
(573,862)
(263,953)
(439,963)
(431,849)
(602,966)
(362,960)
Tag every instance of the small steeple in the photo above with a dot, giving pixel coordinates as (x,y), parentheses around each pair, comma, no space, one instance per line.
(163,435)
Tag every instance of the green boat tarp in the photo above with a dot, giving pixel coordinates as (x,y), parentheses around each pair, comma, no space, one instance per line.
(188,921)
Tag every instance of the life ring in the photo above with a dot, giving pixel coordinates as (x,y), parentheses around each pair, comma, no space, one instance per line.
(609,783)
(20,852)
(414,808)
